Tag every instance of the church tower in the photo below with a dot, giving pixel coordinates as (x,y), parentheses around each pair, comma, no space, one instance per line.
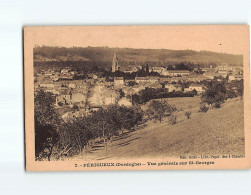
(115,63)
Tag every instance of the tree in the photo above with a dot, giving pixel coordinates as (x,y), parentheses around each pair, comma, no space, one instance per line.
(172,119)
(46,137)
(121,93)
(215,93)
(147,69)
(203,108)
(159,109)
(46,123)
(231,93)
(240,88)
(188,114)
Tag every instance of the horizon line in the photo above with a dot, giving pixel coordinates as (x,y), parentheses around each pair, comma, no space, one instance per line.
(36,46)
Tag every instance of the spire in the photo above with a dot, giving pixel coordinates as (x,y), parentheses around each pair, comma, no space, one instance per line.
(115,63)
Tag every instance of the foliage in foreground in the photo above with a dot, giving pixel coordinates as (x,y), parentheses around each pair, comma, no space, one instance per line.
(203,108)
(217,92)
(172,119)
(55,138)
(159,109)
(46,125)
(188,114)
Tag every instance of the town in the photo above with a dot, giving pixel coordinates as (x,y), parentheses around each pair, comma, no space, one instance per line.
(95,112)
(77,93)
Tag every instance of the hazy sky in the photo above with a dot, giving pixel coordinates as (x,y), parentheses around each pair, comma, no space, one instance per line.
(219,38)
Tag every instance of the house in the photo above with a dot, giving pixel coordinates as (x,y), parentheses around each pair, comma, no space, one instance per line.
(65,77)
(164,72)
(137,88)
(224,66)
(129,91)
(149,79)
(165,80)
(210,75)
(77,98)
(154,85)
(136,68)
(64,71)
(54,91)
(173,87)
(46,85)
(157,69)
(92,76)
(231,77)
(72,85)
(48,74)
(109,100)
(223,72)
(72,72)
(126,69)
(238,77)
(153,79)
(63,98)
(199,88)
(68,116)
(178,72)
(127,81)
(124,102)
(141,79)
(118,81)
(206,70)
(235,77)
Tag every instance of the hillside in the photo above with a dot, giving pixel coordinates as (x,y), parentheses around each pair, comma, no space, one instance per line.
(127,56)
(219,131)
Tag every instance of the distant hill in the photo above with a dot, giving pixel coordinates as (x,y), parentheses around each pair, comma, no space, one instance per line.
(127,56)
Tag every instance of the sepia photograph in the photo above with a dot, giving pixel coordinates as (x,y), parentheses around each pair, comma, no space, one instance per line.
(125,97)
(144,97)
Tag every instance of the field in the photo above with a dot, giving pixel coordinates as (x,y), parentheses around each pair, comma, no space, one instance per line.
(217,132)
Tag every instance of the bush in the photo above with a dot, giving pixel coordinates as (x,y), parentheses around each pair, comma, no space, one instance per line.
(60,104)
(188,114)
(159,109)
(173,119)
(217,105)
(203,108)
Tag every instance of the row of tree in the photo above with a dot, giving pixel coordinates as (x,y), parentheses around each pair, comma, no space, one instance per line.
(54,137)
(148,94)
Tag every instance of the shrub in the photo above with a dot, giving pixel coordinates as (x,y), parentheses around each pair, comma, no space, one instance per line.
(188,114)
(159,109)
(173,119)
(60,104)
(217,105)
(203,108)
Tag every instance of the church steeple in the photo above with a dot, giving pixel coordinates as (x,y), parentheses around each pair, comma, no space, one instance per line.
(115,63)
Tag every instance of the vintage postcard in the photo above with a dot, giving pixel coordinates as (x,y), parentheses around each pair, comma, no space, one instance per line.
(137,97)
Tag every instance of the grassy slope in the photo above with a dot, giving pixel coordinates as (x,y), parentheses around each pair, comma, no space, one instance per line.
(219,131)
